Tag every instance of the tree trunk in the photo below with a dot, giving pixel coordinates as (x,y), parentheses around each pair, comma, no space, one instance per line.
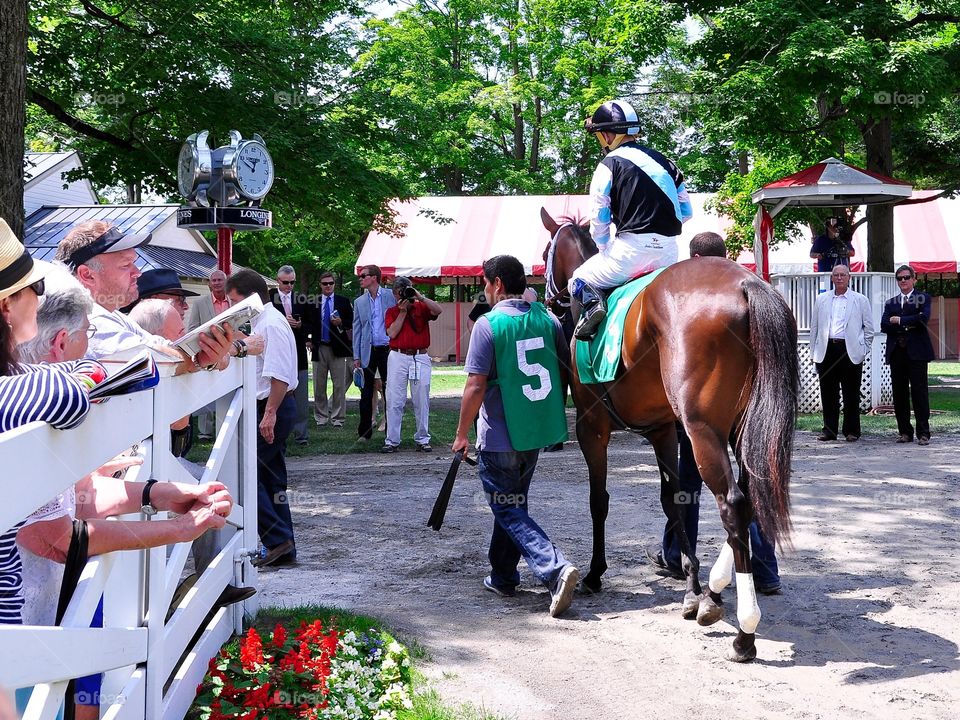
(877,138)
(535,138)
(134,193)
(13,89)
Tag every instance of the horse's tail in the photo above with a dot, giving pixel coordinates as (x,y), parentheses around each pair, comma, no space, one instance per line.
(766,432)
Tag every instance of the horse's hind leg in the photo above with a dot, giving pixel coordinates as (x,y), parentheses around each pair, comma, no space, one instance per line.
(664,441)
(736,514)
(593,434)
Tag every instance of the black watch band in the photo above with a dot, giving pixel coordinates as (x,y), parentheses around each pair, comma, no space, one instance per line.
(145,505)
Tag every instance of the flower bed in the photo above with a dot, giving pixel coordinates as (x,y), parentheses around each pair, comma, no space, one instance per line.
(307,672)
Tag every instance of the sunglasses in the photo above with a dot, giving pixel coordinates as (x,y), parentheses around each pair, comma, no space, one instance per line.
(901,278)
(38,287)
(288,282)
(363,275)
(331,282)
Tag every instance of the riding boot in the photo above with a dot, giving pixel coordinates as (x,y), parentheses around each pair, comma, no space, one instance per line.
(593,309)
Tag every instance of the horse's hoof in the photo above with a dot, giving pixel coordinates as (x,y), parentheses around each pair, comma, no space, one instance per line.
(589,586)
(744,648)
(691,604)
(710,611)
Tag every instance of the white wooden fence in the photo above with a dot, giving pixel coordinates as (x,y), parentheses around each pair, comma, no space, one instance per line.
(151,668)
(800,292)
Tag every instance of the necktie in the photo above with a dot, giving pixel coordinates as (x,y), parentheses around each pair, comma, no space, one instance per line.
(286,304)
(325,333)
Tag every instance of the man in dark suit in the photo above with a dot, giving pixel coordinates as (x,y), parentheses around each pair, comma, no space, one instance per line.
(331,342)
(909,350)
(294,308)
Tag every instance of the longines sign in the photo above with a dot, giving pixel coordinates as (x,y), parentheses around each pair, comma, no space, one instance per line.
(211,218)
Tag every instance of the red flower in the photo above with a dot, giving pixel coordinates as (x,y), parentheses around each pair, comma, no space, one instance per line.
(279,636)
(251,650)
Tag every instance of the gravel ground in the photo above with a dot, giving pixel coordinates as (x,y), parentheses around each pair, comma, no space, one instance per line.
(865,627)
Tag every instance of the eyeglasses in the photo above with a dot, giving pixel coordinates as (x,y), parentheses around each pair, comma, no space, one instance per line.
(901,278)
(287,282)
(363,275)
(331,282)
(91,331)
(38,287)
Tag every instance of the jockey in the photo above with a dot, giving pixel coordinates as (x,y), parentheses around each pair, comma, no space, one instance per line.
(642,193)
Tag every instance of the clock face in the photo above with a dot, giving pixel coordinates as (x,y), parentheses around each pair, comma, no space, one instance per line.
(187,168)
(254,170)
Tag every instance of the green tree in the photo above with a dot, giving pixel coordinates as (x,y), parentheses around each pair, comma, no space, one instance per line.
(870,83)
(125,84)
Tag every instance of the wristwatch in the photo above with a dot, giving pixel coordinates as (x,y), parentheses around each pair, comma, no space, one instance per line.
(146,507)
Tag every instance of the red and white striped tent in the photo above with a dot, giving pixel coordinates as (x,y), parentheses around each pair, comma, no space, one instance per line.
(450,237)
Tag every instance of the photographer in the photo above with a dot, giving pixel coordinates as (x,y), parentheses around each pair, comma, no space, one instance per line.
(834,247)
(408,327)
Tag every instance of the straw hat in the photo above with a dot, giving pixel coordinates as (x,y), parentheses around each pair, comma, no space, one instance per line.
(17,268)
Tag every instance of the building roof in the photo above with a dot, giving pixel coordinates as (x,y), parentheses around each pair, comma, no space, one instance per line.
(36,165)
(46,227)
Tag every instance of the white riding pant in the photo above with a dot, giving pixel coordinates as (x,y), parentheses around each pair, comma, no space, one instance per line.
(625,257)
(414,370)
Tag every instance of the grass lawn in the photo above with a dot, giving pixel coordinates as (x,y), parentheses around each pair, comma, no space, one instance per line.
(944,397)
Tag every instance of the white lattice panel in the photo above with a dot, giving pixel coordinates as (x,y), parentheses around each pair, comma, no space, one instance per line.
(810,383)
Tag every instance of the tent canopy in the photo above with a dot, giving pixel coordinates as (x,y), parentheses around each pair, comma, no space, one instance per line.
(832,183)
(450,237)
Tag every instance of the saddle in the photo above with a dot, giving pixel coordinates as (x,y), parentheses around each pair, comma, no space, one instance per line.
(598,359)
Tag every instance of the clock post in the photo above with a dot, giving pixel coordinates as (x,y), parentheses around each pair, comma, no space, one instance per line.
(223,188)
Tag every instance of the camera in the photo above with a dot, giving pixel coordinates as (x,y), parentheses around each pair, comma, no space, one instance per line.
(407,293)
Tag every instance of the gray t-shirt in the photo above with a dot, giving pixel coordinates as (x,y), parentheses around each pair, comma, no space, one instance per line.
(492,432)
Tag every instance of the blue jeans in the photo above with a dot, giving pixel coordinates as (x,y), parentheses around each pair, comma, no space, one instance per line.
(274,521)
(506,483)
(763,556)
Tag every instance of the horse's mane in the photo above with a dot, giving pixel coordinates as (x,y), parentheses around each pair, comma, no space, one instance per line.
(581,231)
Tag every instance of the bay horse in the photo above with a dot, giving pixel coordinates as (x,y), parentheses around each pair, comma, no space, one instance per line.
(712,346)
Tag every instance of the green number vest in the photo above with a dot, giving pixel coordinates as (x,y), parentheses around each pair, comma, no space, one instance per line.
(528,373)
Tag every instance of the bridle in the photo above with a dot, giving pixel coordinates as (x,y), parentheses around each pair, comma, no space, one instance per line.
(554,296)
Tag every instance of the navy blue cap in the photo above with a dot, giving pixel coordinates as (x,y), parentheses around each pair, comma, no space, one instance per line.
(163,280)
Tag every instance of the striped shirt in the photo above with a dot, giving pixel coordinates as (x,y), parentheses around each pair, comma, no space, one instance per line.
(46,393)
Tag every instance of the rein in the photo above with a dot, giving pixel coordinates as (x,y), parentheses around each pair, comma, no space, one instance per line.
(553,295)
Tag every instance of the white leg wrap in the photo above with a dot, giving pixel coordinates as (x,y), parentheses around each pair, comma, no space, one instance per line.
(748,612)
(722,569)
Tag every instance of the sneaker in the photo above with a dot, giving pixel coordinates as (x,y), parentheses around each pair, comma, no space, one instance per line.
(388,448)
(562,595)
(424,447)
(501,591)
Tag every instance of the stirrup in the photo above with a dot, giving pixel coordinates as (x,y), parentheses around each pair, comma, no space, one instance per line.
(589,322)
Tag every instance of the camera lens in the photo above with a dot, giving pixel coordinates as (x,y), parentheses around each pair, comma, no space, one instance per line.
(408,293)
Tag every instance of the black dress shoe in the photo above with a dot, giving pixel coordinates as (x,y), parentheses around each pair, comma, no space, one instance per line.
(232,594)
(656,558)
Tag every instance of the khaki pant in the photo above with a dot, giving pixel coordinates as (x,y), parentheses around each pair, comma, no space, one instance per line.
(324,362)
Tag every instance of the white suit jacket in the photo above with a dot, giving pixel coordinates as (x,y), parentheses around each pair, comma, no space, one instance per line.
(858,328)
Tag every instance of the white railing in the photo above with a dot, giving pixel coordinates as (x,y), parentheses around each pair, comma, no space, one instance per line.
(152,666)
(800,292)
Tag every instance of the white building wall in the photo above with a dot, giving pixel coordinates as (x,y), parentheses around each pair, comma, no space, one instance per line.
(49,189)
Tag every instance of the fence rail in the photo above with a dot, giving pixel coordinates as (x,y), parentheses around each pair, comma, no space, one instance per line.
(152,665)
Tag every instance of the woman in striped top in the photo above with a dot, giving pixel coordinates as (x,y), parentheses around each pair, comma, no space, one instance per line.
(48,393)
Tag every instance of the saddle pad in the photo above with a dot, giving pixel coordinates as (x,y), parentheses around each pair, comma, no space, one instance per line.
(599,359)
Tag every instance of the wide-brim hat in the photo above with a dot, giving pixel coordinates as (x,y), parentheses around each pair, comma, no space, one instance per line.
(17,268)
(161,280)
(113,240)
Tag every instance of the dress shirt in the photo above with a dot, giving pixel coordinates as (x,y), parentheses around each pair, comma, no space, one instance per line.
(838,316)
(219,305)
(115,333)
(904,299)
(378,328)
(325,318)
(278,361)
(286,302)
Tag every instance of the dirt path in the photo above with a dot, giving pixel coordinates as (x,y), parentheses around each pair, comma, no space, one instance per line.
(865,629)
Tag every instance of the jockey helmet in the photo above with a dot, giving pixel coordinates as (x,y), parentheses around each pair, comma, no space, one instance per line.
(616,117)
